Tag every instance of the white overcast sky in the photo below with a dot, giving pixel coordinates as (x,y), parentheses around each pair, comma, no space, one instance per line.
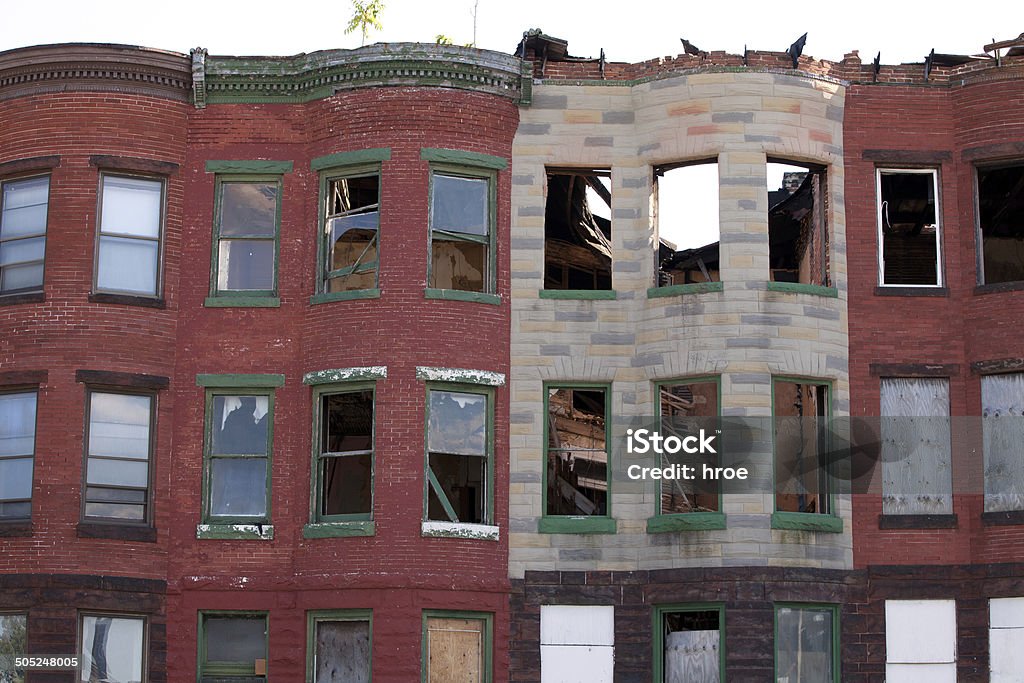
(628,30)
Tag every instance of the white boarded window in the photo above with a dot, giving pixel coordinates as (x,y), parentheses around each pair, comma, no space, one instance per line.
(916,473)
(1002,407)
(920,641)
(1006,640)
(577,643)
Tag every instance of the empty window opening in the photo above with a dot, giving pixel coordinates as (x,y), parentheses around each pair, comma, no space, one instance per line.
(1001,218)
(801,473)
(908,228)
(577,452)
(346,455)
(686,206)
(679,404)
(457,457)
(798,240)
(578,230)
(690,646)
(352,226)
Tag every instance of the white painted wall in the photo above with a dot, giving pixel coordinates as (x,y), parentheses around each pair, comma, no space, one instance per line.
(577,643)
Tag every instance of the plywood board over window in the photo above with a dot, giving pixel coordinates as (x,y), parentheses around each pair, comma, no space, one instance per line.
(1002,410)
(456,648)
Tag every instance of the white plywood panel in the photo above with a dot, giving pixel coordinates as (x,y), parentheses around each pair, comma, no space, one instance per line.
(1002,411)
(920,673)
(920,631)
(576,664)
(1006,613)
(1006,655)
(577,625)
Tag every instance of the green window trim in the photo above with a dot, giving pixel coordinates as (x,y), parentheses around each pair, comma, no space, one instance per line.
(464,165)
(807,521)
(430,481)
(488,640)
(577,524)
(254,166)
(460,376)
(342,166)
(314,617)
(236,526)
(336,375)
(578,294)
(323,525)
(231,381)
(248,298)
(691,288)
(833,609)
(657,620)
(802,288)
(812,521)
(206,668)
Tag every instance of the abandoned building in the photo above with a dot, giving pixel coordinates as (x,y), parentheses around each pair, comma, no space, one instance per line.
(318,367)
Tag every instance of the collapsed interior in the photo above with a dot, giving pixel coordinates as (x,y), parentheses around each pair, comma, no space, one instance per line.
(578,229)
(679,402)
(577,466)
(909,230)
(686,205)
(798,240)
(1001,219)
(353,219)
(801,474)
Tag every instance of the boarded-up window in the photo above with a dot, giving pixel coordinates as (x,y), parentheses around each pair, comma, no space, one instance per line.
(577,455)
(456,649)
(685,409)
(804,645)
(916,473)
(801,441)
(909,240)
(920,641)
(689,645)
(1002,408)
(577,643)
(342,650)
(1006,640)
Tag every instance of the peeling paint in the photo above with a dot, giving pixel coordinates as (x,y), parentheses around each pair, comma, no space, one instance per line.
(494,379)
(481,532)
(345,374)
(230,531)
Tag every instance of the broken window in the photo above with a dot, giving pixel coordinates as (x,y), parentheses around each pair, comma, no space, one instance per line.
(232,647)
(112,649)
(687,407)
(686,203)
(117,471)
(1001,221)
(246,236)
(17,447)
(1002,411)
(23,209)
(689,645)
(13,641)
(344,456)
(800,411)
(798,235)
(458,456)
(577,451)
(908,228)
(456,648)
(916,452)
(578,229)
(805,649)
(461,232)
(340,646)
(238,457)
(920,640)
(351,232)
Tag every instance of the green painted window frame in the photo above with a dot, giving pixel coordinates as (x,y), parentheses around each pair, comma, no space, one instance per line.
(222,670)
(686,521)
(46,225)
(19,391)
(359,164)
(356,524)
(829,522)
(429,481)
(313,617)
(147,521)
(144,654)
(222,526)
(243,297)
(830,607)
(658,631)
(577,524)
(158,282)
(488,644)
(477,167)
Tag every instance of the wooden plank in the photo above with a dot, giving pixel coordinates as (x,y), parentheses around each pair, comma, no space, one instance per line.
(455,650)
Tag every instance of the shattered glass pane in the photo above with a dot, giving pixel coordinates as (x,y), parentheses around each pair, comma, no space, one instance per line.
(352,224)
(463,481)
(458,423)
(459,204)
(240,425)
(458,265)
(248,209)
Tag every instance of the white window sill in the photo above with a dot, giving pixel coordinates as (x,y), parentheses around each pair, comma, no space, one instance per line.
(480,532)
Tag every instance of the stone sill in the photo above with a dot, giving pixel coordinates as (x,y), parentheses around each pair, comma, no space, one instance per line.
(577,525)
(361,527)
(689,521)
(807,521)
(479,532)
(234,532)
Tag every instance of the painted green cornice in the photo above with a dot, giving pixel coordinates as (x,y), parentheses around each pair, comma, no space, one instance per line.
(307,77)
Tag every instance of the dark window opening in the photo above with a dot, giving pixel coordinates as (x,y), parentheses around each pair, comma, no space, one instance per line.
(577,452)
(578,230)
(678,403)
(801,473)
(1001,217)
(458,448)
(908,227)
(798,240)
(688,227)
(346,455)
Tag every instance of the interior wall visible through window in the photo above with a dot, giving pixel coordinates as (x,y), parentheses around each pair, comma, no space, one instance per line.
(908,228)
(578,229)
(1001,222)
(798,231)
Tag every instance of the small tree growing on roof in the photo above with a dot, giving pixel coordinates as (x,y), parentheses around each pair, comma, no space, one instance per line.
(366,15)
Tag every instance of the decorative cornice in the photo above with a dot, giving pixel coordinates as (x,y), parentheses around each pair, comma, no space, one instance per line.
(307,77)
(90,66)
